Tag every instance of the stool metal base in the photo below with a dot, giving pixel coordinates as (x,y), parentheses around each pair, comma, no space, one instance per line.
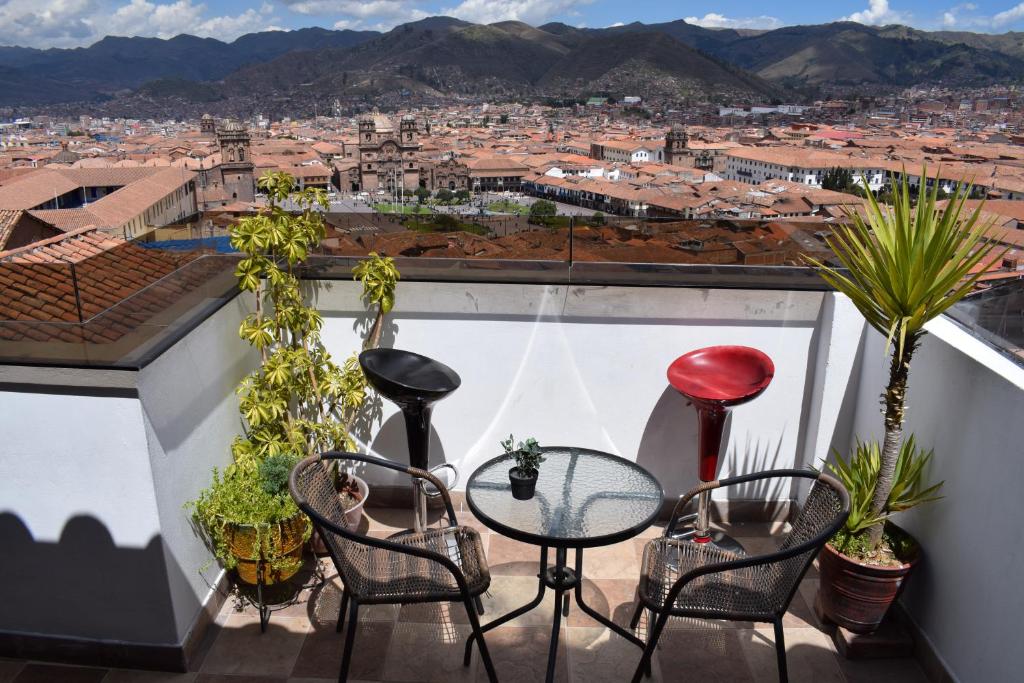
(719,539)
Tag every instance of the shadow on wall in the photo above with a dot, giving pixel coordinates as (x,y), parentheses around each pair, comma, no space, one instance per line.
(668,447)
(84,586)
(390,442)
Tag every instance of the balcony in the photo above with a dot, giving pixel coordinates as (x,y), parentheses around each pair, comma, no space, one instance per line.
(114,419)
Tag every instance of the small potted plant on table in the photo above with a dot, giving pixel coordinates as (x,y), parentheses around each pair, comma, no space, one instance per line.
(528,459)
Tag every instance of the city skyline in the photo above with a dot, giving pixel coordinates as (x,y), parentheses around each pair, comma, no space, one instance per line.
(76,23)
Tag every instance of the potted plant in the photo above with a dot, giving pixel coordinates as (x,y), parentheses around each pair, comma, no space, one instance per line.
(298,401)
(252,523)
(523,476)
(904,265)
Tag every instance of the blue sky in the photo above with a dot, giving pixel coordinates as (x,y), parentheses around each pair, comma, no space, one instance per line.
(70,23)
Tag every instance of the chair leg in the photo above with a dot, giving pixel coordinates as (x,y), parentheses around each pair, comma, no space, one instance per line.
(479,605)
(474,621)
(780,651)
(341,612)
(350,638)
(644,666)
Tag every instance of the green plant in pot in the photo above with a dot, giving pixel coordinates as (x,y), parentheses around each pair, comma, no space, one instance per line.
(904,265)
(528,457)
(296,403)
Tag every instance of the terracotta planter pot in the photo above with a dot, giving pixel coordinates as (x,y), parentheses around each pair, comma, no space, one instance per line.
(287,539)
(857,596)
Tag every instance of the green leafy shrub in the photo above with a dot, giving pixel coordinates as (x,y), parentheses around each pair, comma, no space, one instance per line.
(859,474)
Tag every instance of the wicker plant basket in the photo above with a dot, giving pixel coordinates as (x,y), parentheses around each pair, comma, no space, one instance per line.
(287,539)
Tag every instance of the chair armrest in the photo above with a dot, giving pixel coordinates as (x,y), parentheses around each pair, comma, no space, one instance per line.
(411,471)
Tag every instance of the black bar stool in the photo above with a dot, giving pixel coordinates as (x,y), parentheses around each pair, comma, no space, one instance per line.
(414,383)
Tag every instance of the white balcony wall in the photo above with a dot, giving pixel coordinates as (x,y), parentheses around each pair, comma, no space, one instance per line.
(94,473)
(586,366)
(967,402)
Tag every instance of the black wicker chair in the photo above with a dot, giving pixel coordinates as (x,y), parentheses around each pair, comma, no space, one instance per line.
(437,565)
(680,578)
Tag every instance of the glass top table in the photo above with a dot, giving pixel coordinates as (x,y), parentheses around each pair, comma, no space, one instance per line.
(584,499)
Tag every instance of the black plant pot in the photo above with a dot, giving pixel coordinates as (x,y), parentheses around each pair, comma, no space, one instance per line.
(523,486)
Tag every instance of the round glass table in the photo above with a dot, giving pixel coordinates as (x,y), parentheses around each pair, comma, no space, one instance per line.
(584,499)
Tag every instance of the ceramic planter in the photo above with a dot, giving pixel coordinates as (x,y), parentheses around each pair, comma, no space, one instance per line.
(286,540)
(857,596)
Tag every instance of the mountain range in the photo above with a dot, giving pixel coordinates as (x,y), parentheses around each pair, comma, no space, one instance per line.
(442,57)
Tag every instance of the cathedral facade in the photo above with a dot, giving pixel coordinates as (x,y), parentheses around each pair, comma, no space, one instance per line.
(388,158)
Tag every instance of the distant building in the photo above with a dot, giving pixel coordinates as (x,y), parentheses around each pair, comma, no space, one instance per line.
(388,159)
(207,126)
(236,167)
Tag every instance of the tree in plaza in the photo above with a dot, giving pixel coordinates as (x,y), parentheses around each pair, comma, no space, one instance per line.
(444,195)
(542,211)
(422,194)
(542,208)
(462,196)
(837,179)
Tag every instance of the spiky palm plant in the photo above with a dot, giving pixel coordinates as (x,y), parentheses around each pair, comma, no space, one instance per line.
(904,265)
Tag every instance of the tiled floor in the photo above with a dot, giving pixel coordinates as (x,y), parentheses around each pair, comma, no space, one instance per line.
(424,643)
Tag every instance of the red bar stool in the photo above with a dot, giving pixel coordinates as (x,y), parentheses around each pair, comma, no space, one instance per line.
(715,379)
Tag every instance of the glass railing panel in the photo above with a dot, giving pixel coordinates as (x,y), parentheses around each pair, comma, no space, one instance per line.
(996,315)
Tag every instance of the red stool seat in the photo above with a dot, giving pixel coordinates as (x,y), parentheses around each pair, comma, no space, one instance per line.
(722,375)
(715,379)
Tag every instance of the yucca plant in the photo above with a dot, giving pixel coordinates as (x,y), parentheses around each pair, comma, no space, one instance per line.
(904,265)
(859,474)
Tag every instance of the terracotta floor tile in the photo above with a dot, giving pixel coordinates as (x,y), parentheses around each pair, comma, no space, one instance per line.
(596,655)
(136,676)
(810,655)
(706,655)
(612,598)
(510,592)
(521,654)
(434,612)
(428,653)
(247,678)
(242,649)
(50,673)
(9,668)
(325,601)
(882,671)
(321,652)
(506,557)
(619,561)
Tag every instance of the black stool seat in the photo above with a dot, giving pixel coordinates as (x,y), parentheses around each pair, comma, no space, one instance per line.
(406,377)
(414,383)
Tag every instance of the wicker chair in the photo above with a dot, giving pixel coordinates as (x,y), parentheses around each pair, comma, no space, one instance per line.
(437,565)
(681,578)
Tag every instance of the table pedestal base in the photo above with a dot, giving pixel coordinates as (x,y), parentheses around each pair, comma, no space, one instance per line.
(562,580)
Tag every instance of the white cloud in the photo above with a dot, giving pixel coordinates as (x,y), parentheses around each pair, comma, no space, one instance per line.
(530,11)
(965,17)
(1009,16)
(373,14)
(72,23)
(878,12)
(715,20)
